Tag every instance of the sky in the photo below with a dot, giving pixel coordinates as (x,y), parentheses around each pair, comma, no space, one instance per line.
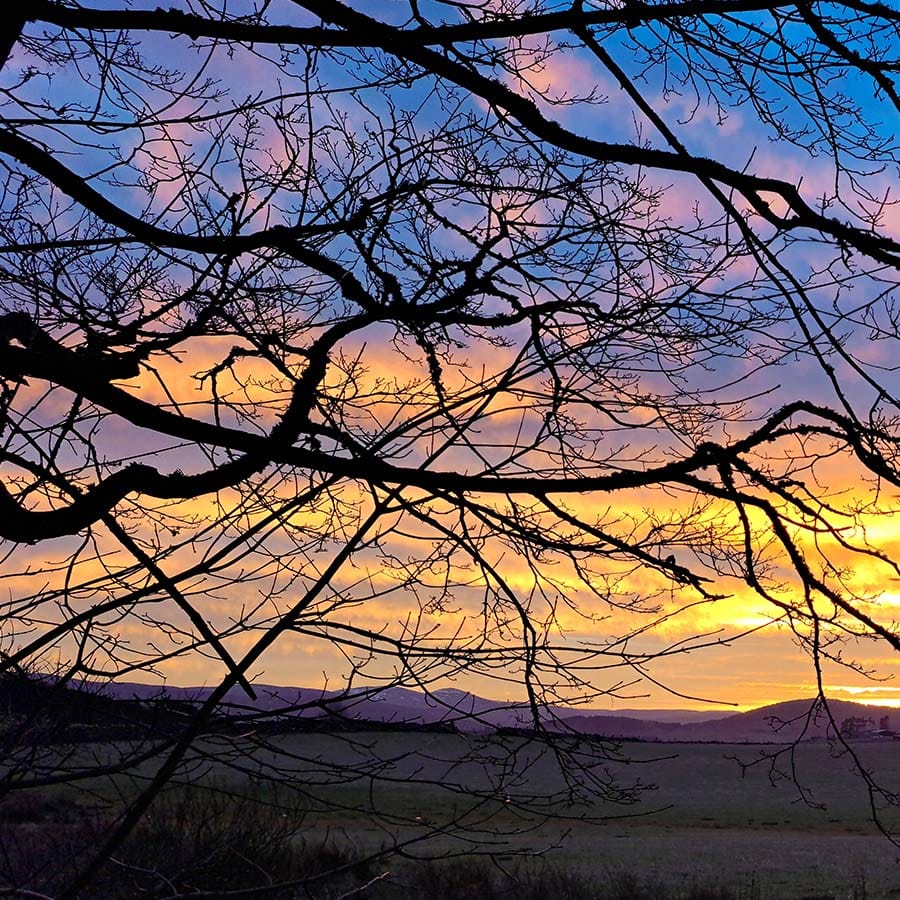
(738,650)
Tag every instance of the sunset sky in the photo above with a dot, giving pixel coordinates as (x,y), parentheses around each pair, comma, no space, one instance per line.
(669,648)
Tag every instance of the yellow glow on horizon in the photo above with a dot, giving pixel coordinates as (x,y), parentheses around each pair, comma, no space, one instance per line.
(371,595)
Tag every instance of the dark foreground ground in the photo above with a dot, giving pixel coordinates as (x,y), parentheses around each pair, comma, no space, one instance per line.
(293,805)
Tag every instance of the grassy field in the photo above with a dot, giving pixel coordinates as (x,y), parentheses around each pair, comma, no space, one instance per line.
(705,820)
(723,828)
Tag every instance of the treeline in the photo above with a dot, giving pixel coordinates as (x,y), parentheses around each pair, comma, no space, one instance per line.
(46,711)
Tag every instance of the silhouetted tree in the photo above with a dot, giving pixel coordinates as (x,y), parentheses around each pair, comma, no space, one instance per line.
(453,337)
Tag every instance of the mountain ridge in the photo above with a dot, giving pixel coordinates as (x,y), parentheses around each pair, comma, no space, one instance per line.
(786,721)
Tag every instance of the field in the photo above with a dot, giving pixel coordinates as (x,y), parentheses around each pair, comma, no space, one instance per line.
(704,822)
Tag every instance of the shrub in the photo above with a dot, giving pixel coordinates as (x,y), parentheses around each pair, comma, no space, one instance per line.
(204,839)
(193,839)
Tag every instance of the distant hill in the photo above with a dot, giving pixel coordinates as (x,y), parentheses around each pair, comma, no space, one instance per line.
(393,705)
(676,716)
(780,722)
